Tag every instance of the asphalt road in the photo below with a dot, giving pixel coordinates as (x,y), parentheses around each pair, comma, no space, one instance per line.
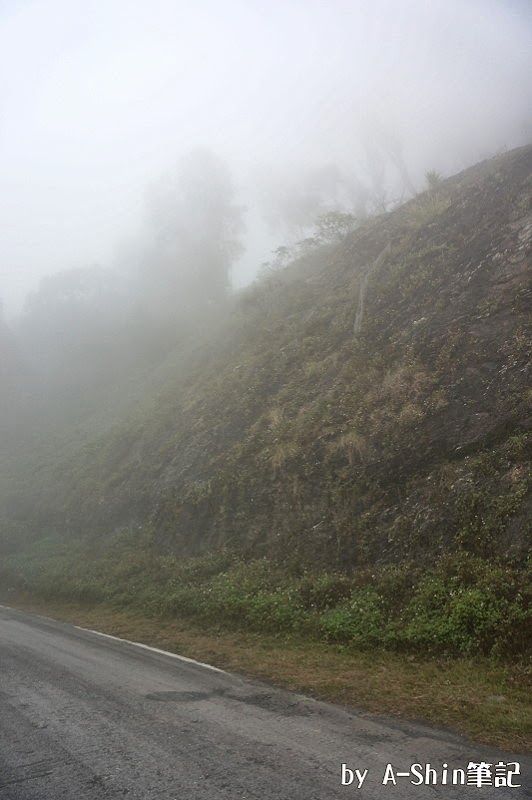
(84,715)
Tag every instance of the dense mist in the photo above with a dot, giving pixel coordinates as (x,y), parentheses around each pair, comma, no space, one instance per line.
(305,106)
(157,158)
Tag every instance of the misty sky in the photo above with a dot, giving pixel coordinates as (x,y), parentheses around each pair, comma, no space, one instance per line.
(98,98)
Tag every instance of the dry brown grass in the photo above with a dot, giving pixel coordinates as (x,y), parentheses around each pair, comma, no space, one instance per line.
(353,445)
(280,453)
(275,417)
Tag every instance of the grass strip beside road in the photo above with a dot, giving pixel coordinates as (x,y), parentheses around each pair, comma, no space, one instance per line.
(485,700)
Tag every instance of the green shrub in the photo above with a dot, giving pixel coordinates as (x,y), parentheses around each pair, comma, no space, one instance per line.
(359,620)
(320,592)
(446,616)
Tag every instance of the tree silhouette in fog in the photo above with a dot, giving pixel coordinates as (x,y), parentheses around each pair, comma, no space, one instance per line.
(195,226)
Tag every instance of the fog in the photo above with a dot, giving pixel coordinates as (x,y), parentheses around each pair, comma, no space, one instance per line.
(99,100)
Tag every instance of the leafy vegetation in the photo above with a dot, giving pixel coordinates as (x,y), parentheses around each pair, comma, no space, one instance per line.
(461,605)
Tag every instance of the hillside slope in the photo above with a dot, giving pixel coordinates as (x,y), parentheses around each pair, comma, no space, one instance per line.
(368,404)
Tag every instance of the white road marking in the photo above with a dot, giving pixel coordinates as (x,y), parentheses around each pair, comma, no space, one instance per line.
(154,650)
(128,641)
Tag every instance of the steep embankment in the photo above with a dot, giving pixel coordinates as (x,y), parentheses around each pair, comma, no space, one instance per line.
(330,428)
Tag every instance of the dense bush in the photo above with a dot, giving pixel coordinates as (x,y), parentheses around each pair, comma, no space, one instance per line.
(462,605)
(359,620)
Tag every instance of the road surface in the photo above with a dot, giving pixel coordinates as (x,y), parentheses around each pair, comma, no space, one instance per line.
(83,715)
